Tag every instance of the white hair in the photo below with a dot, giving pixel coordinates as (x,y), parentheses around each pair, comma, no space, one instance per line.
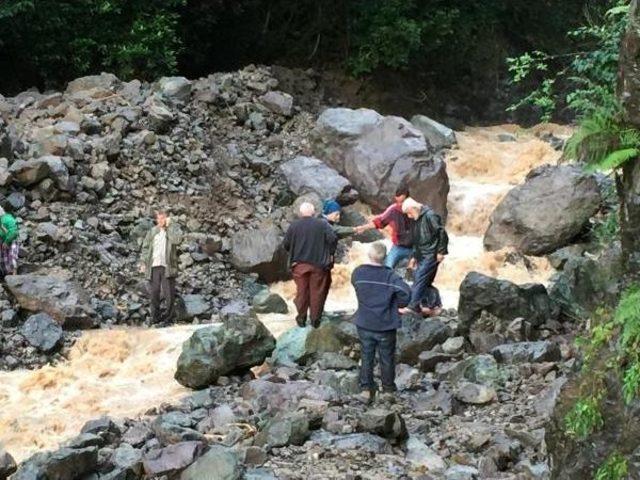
(307,209)
(377,252)
(410,203)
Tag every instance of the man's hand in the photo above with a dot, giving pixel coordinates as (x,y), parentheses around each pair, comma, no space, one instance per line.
(412,264)
(439,257)
(142,268)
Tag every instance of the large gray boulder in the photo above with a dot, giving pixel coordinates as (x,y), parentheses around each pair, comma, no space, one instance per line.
(55,294)
(238,343)
(260,251)
(310,175)
(378,153)
(546,212)
(504,300)
(438,135)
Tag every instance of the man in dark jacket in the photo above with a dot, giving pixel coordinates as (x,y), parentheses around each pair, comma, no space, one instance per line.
(380,292)
(430,242)
(311,244)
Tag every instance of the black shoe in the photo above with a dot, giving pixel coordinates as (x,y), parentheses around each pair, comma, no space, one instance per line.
(301,321)
(315,323)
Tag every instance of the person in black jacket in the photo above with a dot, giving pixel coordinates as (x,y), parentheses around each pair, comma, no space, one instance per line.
(430,242)
(380,292)
(311,243)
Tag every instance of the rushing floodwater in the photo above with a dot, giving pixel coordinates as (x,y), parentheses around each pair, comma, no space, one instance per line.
(124,372)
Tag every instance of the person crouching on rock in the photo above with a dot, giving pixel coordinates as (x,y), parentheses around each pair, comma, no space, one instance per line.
(9,247)
(311,243)
(381,293)
(400,226)
(430,241)
(160,263)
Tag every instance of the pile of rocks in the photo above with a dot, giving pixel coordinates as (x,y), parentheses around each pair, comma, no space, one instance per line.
(83,169)
(464,410)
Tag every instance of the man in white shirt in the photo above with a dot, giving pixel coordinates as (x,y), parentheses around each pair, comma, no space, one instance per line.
(160,263)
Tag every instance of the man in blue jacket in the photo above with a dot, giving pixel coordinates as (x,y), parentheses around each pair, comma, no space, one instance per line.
(380,292)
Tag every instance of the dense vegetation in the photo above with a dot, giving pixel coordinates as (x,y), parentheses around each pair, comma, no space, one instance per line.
(460,43)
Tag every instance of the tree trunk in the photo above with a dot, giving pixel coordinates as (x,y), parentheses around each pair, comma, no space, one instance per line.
(629,94)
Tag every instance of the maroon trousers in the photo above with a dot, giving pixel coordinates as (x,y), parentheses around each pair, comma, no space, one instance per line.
(312,288)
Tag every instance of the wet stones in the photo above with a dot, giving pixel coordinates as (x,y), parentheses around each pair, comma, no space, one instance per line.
(62,464)
(268,302)
(55,294)
(260,251)
(42,332)
(7,464)
(527,352)
(172,459)
(220,461)
(546,212)
(474,393)
(240,342)
(503,299)
(284,429)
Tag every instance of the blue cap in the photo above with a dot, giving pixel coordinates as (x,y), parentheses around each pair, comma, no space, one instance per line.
(330,206)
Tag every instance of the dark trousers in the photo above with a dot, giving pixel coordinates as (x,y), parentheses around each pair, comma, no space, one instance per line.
(385,344)
(312,288)
(423,278)
(160,283)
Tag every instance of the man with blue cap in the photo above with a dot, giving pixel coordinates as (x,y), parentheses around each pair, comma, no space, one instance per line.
(331,213)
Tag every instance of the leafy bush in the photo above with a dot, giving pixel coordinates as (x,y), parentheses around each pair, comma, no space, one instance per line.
(585,417)
(614,468)
(588,74)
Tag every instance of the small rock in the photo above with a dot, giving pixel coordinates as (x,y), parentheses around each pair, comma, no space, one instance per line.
(42,332)
(474,393)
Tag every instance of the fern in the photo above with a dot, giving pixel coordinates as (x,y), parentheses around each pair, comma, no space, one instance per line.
(614,160)
(604,142)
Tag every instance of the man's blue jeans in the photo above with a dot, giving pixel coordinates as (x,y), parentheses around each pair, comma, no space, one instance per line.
(424,276)
(385,344)
(396,254)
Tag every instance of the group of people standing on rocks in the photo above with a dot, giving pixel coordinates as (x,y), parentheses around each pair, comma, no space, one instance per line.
(417,235)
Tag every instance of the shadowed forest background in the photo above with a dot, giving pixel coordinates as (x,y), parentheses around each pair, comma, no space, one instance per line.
(446,58)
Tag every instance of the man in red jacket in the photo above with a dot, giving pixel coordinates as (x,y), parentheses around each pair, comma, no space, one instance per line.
(400,225)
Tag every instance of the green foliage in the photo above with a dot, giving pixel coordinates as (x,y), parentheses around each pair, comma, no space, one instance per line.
(56,40)
(631,382)
(614,468)
(585,417)
(603,141)
(606,229)
(588,73)
(386,33)
(628,317)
